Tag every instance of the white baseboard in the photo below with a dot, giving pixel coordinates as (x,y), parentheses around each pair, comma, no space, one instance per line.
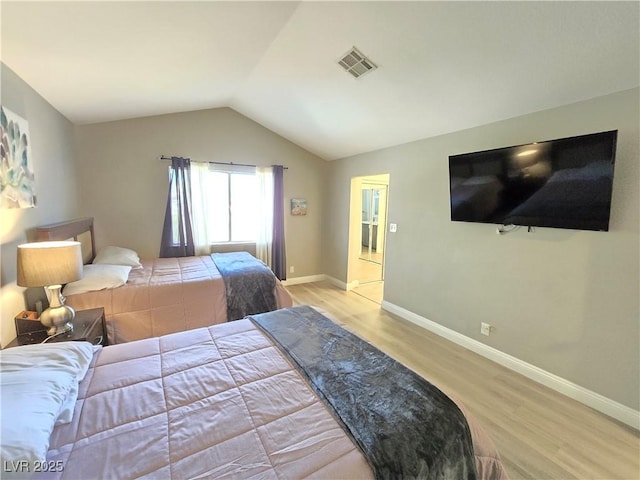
(338,283)
(592,399)
(318,278)
(307,279)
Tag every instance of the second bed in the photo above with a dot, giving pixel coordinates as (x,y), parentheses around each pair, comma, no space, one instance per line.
(164,295)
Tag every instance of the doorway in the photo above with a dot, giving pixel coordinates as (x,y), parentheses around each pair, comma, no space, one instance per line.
(367,235)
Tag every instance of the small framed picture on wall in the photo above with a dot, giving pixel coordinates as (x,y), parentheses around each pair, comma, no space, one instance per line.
(298,206)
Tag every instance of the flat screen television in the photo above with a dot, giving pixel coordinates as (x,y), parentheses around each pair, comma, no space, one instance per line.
(564,183)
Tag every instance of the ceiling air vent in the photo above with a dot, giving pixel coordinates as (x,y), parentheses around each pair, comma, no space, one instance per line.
(356,63)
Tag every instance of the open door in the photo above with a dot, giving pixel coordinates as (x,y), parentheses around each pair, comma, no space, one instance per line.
(367,235)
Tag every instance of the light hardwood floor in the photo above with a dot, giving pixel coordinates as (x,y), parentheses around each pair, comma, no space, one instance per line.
(539,433)
(366,271)
(372,290)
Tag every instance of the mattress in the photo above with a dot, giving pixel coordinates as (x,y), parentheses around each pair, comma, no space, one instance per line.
(166,295)
(216,402)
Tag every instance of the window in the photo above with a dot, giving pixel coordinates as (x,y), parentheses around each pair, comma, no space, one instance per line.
(226,198)
(232,200)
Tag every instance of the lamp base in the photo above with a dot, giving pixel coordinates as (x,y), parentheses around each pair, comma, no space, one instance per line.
(55,331)
(58,317)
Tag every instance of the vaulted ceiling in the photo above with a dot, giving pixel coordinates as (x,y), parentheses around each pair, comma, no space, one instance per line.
(442,66)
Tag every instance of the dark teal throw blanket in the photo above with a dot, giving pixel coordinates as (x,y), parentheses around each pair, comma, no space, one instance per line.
(404,425)
(249,284)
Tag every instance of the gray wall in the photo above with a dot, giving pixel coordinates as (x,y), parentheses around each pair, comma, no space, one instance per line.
(124,185)
(51,137)
(563,300)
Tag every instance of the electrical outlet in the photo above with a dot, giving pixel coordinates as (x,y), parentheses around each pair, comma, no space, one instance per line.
(485,329)
(292,269)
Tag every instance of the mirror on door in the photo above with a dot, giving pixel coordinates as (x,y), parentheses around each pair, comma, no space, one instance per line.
(373,229)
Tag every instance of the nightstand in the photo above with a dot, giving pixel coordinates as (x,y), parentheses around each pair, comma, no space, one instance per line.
(88,325)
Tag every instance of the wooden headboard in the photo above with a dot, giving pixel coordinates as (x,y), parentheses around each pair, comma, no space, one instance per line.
(80,230)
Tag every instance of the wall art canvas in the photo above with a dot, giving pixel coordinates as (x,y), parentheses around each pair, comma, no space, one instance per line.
(17,184)
(298,206)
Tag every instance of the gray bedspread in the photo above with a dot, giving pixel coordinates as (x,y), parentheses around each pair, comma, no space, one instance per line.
(405,426)
(249,284)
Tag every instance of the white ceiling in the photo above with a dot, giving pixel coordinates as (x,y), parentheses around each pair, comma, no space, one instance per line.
(443,66)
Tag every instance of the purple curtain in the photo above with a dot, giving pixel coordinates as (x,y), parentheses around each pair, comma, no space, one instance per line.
(177,234)
(278,255)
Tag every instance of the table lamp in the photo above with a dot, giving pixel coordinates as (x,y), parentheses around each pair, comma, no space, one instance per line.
(50,265)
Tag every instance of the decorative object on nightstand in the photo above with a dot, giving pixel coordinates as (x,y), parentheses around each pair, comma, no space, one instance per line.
(88,326)
(50,265)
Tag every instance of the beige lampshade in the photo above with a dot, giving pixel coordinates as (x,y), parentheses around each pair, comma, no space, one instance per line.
(49,263)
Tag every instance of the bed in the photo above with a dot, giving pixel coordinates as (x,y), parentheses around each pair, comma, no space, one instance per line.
(232,401)
(160,296)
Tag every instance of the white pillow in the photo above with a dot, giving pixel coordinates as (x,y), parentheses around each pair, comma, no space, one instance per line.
(36,382)
(117,256)
(30,407)
(65,415)
(98,277)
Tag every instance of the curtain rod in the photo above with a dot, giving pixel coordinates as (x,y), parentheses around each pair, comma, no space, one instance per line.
(225,163)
